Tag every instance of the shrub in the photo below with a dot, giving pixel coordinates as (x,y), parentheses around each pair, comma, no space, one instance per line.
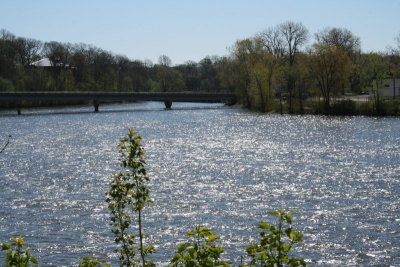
(128,196)
(6,85)
(16,256)
(200,251)
(344,108)
(276,242)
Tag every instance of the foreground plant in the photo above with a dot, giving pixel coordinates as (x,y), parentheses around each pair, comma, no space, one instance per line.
(276,242)
(16,256)
(92,262)
(126,199)
(201,251)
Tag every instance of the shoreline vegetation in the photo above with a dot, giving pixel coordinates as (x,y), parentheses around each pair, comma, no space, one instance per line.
(282,69)
(341,107)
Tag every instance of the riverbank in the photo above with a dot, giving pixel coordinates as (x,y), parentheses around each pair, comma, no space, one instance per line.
(342,107)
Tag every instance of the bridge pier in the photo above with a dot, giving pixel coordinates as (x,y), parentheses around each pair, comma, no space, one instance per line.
(168,104)
(96,106)
(18,107)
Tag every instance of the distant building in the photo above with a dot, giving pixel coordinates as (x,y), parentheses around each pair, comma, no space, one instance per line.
(387,88)
(44,62)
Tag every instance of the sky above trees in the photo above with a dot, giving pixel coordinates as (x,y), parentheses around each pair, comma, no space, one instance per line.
(190,30)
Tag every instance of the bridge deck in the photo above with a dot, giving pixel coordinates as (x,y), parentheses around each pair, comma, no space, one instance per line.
(119,96)
(97,97)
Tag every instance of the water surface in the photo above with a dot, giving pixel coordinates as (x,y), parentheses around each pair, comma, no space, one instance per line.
(219,167)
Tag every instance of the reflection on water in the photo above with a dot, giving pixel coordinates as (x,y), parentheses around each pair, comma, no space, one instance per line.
(219,167)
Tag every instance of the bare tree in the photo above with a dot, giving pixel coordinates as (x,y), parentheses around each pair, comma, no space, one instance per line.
(164,61)
(58,53)
(342,38)
(6,35)
(273,41)
(27,50)
(294,35)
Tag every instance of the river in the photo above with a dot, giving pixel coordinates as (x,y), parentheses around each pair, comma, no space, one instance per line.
(223,168)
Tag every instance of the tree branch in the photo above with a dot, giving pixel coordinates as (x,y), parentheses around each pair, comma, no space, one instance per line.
(7,143)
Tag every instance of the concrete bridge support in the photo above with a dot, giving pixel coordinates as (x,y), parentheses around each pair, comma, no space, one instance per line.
(168,104)
(19,107)
(96,105)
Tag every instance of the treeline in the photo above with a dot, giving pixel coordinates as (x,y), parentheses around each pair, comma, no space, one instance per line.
(82,67)
(275,71)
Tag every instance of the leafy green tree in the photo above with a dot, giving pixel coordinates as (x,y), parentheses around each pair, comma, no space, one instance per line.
(16,256)
(7,55)
(6,85)
(275,243)
(373,69)
(169,79)
(191,75)
(244,55)
(128,196)
(331,67)
(345,40)
(201,251)
(91,262)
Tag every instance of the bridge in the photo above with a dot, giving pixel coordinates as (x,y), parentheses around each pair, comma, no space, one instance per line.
(97,97)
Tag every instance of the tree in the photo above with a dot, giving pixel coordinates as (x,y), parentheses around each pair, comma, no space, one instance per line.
(200,252)
(342,38)
(168,79)
(16,256)
(105,70)
(27,50)
(273,43)
(294,35)
(164,60)
(244,56)
(373,69)
(208,74)
(7,55)
(348,42)
(128,195)
(331,68)
(58,53)
(191,75)
(276,242)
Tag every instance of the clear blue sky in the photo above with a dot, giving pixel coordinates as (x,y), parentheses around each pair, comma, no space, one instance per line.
(192,29)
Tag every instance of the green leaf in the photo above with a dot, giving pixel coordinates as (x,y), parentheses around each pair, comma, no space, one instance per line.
(33,260)
(292,212)
(264,225)
(5,246)
(276,214)
(288,219)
